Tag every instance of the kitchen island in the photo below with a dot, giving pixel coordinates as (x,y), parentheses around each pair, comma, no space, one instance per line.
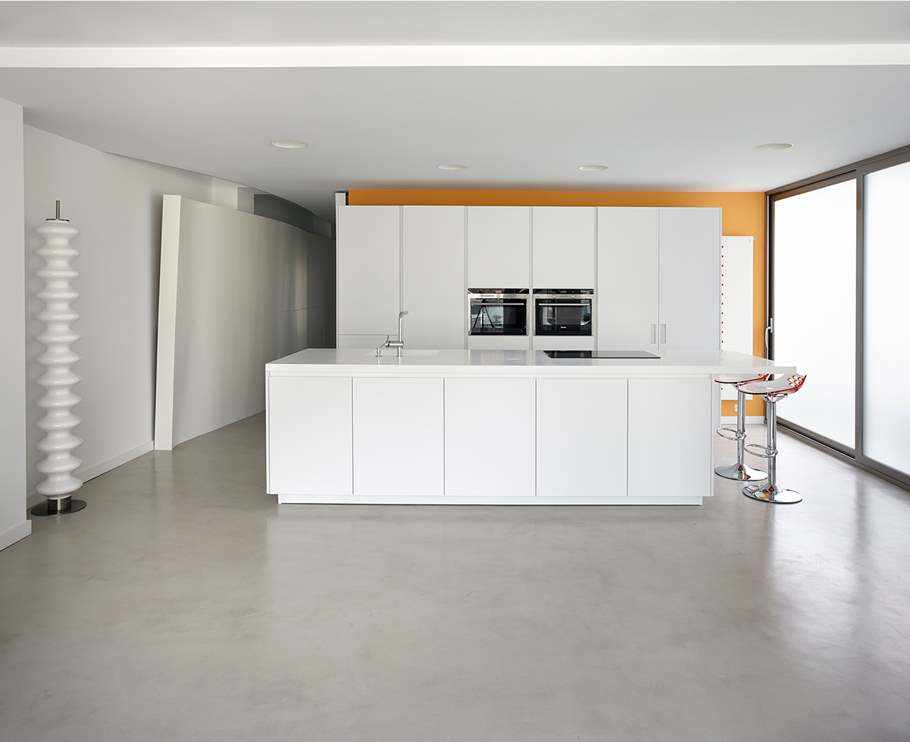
(494,427)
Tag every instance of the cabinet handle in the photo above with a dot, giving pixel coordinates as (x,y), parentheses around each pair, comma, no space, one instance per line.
(653,333)
(663,333)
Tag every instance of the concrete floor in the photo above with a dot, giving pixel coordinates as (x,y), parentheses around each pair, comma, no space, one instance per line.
(183,604)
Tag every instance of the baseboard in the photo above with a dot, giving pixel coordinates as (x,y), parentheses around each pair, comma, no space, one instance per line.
(85,473)
(15,533)
(750,420)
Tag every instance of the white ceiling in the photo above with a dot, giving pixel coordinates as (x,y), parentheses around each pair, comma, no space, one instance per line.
(656,128)
(673,127)
(281,23)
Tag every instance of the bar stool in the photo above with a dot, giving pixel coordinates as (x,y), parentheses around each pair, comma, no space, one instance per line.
(738,471)
(771,391)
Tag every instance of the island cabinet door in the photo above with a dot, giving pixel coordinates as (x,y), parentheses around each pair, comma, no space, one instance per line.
(309,435)
(489,437)
(670,437)
(581,437)
(398,437)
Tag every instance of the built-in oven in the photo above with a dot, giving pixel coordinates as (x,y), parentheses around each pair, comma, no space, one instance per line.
(498,312)
(563,312)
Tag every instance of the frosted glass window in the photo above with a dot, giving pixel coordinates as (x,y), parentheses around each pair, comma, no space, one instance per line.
(886,359)
(815,306)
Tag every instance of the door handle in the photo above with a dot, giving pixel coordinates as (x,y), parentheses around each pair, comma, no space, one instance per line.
(663,333)
(768,330)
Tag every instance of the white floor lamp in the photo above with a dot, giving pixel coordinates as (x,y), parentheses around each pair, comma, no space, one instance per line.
(58,378)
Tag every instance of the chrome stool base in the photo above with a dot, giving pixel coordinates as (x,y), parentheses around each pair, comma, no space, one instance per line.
(772,494)
(740,473)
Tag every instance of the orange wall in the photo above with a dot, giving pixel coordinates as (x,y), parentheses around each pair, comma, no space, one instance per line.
(743,215)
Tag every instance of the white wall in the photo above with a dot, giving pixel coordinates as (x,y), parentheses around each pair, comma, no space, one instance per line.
(13,523)
(237,291)
(115,202)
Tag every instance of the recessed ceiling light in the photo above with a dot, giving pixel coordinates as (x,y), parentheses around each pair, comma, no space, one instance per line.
(453,166)
(592,168)
(289,144)
(774,146)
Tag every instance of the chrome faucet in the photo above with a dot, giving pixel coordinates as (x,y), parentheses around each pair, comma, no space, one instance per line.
(397,344)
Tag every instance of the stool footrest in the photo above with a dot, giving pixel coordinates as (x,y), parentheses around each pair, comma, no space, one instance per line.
(756,449)
(731,434)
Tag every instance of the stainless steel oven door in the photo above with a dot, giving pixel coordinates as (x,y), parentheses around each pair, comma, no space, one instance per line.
(497,314)
(563,315)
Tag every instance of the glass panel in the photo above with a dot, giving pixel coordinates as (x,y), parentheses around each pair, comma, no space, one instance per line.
(886,361)
(815,306)
(493,317)
(563,317)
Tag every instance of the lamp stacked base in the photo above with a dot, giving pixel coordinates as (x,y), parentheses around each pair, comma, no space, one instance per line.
(58,506)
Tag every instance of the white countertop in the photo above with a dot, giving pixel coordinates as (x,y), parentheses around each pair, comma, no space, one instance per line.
(420,362)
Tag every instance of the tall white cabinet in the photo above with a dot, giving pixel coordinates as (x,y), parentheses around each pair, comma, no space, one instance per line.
(658,278)
(628,296)
(564,245)
(655,271)
(690,279)
(433,271)
(499,246)
(368,270)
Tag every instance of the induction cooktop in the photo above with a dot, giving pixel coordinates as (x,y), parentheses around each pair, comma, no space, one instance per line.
(601,354)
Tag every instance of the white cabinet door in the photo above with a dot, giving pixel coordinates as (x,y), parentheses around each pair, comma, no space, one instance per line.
(627,278)
(690,278)
(433,242)
(489,439)
(368,259)
(309,435)
(581,437)
(564,246)
(670,437)
(398,436)
(499,247)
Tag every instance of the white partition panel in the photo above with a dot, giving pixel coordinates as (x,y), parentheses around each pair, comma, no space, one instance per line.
(234,295)
(13,522)
(736,299)
(886,356)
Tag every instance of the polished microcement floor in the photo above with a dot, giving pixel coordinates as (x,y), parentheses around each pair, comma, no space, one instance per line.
(184,604)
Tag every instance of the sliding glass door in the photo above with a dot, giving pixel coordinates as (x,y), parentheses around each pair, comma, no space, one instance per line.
(886,356)
(814,306)
(839,275)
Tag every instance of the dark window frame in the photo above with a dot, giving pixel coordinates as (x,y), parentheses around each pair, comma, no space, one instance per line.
(855,171)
